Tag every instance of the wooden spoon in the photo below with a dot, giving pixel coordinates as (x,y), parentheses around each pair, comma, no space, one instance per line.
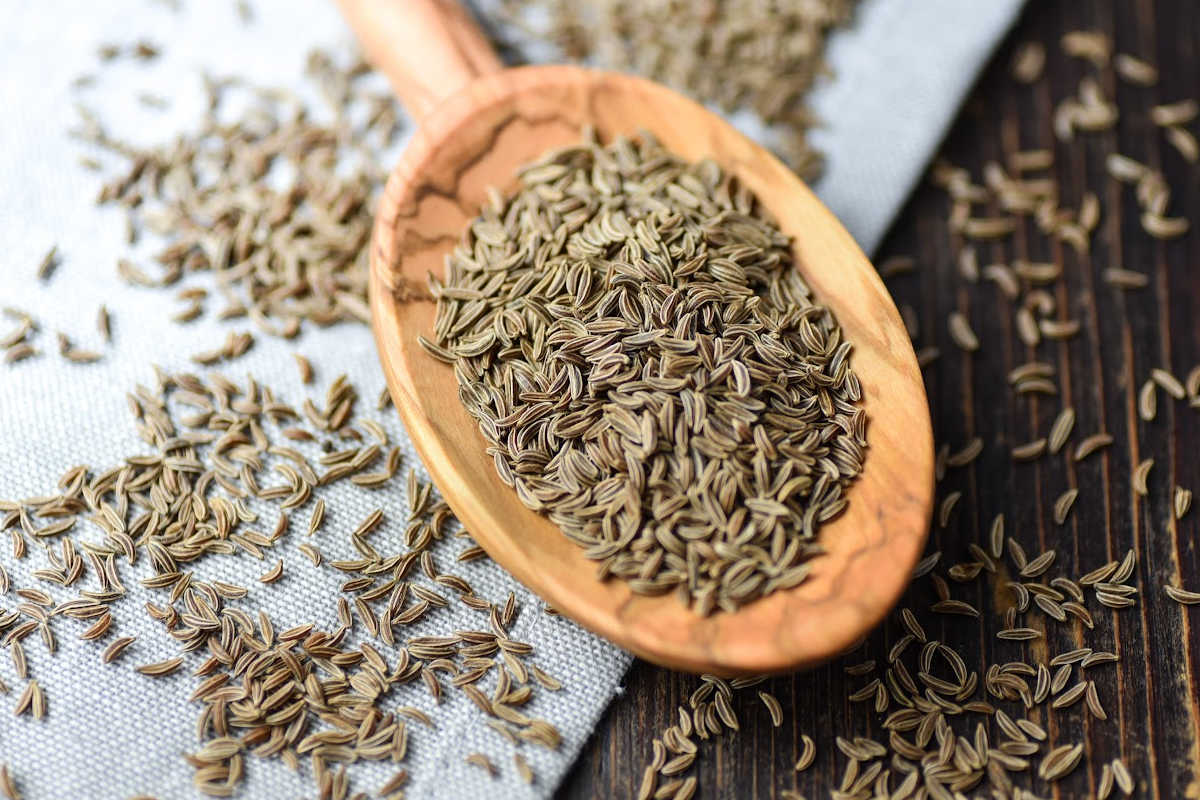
(477,123)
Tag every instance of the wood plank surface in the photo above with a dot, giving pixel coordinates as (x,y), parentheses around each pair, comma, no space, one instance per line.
(1152,694)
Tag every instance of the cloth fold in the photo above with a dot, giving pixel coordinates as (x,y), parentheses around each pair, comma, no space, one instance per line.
(110,732)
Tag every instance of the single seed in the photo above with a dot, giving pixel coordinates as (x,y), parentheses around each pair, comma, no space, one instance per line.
(1134,70)
(1182,501)
(1091,444)
(1029,451)
(1169,383)
(1060,431)
(773,707)
(48,264)
(160,669)
(1062,506)
(1028,62)
(1180,595)
(1140,475)
(961,333)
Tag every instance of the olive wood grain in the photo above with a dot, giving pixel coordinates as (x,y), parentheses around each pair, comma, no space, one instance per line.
(477,138)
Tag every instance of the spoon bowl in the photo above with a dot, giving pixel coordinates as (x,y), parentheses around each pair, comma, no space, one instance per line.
(477,125)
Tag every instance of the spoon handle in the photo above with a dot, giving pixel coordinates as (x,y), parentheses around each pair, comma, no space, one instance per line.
(428,49)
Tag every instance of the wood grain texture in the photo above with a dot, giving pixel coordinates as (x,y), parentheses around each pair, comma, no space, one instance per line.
(1152,694)
(428,49)
(478,139)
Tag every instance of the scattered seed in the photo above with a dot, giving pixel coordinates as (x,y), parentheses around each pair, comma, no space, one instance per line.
(1028,62)
(161,668)
(1140,474)
(1062,506)
(1091,444)
(1182,501)
(1134,70)
(48,264)
(773,707)
(1029,451)
(1060,431)
(961,333)
(1169,114)
(1181,595)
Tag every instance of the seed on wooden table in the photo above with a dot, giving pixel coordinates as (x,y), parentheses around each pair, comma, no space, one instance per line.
(686,790)
(1062,506)
(914,627)
(1070,696)
(1028,62)
(968,265)
(1019,634)
(1098,658)
(996,537)
(8,786)
(1093,701)
(1125,278)
(1180,595)
(1148,401)
(1192,383)
(955,607)
(1091,444)
(773,707)
(1060,761)
(1029,451)
(967,454)
(1140,475)
(925,565)
(808,753)
(1179,113)
(1134,70)
(1093,46)
(961,333)
(1184,142)
(1169,383)
(1027,160)
(1038,565)
(648,784)
(1124,168)
(1004,278)
(1181,501)
(1027,328)
(1125,570)
(947,508)
(1105,785)
(1161,227)
(1058,329)
(1122,777)
(1060,431)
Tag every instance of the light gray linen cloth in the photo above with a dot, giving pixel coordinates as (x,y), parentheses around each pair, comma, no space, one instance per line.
(901,69)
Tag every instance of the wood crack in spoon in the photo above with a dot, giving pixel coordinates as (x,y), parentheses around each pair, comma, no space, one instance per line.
(478,124)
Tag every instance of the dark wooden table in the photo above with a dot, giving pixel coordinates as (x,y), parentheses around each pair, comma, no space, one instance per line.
(1152,695)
